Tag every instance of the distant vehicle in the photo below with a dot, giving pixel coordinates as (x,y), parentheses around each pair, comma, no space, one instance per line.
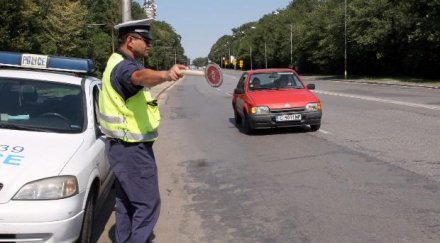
(53,171)
(270,98)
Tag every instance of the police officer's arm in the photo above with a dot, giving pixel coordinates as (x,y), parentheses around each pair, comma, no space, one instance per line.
(150,78)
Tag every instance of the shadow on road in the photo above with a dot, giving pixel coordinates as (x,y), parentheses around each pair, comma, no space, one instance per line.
(272,131)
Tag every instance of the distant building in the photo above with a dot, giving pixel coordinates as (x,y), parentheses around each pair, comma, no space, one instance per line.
(150,8)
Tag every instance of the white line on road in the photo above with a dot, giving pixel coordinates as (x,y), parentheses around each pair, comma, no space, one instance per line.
(228,93)
(323,131)
(396,102)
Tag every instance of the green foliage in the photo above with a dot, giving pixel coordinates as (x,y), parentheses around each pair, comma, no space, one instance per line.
(98,35)
(63,27)
(384,37)
(17,30)
(79,28)
(200,61)
(136,11)
(167,48)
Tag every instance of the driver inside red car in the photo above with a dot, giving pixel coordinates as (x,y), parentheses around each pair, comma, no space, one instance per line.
(255,84)
(282,82)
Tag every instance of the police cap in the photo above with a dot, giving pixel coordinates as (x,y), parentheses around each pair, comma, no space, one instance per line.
(141,27)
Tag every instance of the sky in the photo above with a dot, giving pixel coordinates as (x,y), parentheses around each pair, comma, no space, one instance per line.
(201,23)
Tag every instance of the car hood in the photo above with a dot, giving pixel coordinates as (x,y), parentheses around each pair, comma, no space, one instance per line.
(282,99)
(28,156)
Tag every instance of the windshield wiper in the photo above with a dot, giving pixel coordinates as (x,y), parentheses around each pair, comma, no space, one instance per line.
(22,127)
(287,87)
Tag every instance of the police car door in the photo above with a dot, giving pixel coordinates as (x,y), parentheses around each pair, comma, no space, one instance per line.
(103,166)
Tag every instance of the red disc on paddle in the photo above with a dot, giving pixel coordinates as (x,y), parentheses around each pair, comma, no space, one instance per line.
(213,75)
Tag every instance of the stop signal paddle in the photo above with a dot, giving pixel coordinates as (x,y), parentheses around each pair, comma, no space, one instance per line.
(212,73)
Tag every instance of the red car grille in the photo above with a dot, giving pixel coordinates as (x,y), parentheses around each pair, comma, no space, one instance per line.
(286,110)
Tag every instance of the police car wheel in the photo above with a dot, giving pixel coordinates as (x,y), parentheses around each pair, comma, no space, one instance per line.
(87,224)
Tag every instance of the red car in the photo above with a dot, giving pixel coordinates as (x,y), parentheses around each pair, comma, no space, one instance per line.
(269,98)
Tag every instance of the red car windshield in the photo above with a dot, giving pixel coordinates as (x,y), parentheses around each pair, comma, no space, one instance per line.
(279,80)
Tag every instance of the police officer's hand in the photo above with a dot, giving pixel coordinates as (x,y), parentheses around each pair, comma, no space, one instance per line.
(175,73)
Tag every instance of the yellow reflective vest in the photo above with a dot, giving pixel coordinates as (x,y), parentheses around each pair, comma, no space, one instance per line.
(134,120)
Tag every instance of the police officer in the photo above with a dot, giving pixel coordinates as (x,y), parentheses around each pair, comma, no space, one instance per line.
(129,117)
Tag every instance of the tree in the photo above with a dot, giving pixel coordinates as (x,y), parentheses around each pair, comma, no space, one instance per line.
(421,31)
(21,30)
(137,12)
(222,50)
(99,36)
(167,48)
(64,27)
(200,61)
(385,37)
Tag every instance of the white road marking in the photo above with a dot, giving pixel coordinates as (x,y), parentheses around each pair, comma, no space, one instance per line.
(395,102)
(323,131)
(228,93)
(413,86)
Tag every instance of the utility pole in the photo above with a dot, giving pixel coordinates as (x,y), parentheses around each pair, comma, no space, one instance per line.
(345,41)
(126,10)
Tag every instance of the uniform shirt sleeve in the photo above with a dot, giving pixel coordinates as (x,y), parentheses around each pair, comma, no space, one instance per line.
(121,78)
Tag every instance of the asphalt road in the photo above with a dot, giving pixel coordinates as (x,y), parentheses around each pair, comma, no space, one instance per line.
(370,174)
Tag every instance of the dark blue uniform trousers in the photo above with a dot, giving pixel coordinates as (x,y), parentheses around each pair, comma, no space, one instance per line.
(137,189)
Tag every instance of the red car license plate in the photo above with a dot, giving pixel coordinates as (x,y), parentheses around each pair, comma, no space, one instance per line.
(292,117)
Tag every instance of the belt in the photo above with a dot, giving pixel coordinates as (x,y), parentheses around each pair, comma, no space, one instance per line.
(117,140)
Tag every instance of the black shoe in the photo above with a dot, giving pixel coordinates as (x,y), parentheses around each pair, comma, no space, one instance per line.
(151,238)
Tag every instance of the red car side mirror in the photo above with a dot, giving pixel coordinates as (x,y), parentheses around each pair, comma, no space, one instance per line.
(311,86)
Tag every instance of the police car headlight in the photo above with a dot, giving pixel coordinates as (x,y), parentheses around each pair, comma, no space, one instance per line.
(48,189)
(260,110)
(313,107)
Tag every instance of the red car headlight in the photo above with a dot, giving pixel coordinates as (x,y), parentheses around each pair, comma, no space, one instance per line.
(260,110)
(313,106)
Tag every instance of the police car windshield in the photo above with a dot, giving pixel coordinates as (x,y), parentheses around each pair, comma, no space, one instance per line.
(40,106)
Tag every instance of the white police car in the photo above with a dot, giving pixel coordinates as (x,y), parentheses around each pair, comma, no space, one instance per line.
(53,171)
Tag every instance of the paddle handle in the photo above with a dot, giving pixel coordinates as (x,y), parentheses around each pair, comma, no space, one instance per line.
(193,72)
